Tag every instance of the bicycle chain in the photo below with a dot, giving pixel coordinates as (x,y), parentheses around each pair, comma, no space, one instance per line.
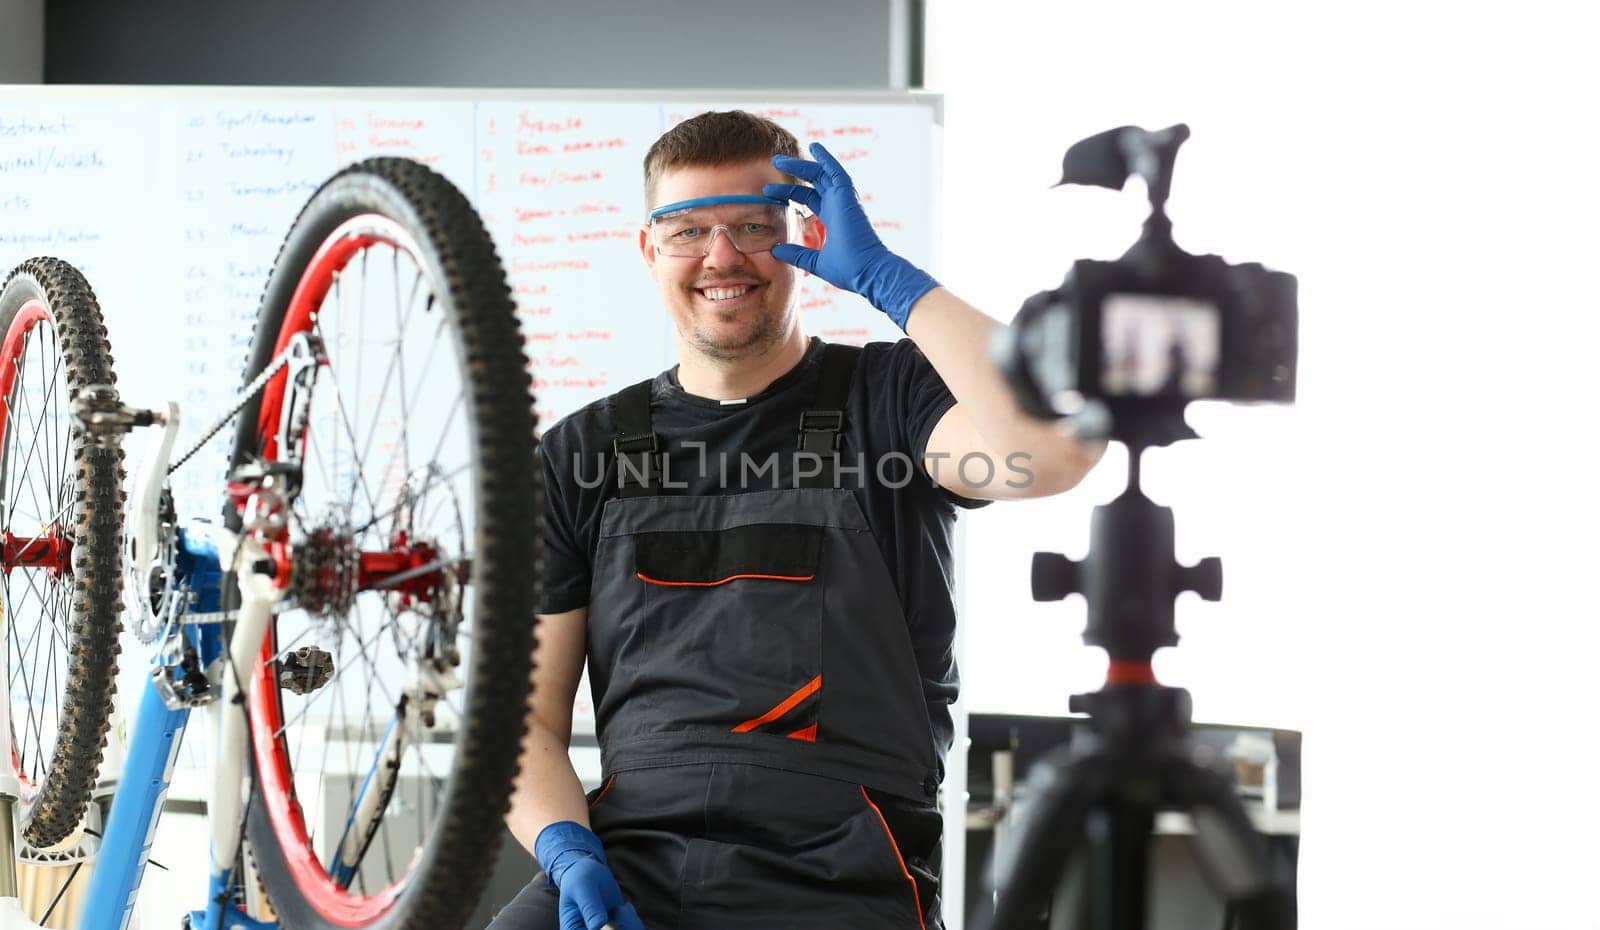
(251,392)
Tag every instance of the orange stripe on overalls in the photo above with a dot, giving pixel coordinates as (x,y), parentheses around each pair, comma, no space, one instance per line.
(783,707)
(915,894)
(713,584)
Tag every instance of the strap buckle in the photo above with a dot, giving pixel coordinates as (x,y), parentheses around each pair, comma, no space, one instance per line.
(820,431)
(640,448)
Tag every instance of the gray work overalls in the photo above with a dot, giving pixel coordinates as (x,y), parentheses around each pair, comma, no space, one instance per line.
(769,758)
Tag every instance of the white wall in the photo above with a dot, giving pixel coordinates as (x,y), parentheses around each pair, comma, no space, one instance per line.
(21,41)
(1405,550)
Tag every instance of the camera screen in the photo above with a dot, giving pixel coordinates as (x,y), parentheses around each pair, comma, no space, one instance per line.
(1159,345)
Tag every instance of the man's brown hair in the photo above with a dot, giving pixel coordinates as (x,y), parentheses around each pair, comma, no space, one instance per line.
(716,138)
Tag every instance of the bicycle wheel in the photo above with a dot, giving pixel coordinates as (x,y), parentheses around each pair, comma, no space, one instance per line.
(396,670)
(61,516)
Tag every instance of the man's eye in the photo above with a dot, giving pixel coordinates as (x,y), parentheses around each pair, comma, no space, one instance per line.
(758,229)
(688,232)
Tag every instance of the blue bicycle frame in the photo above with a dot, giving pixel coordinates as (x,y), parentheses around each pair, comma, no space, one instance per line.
(177,684)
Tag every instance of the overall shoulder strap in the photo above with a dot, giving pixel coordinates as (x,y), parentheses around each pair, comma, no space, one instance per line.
(634,441)
(821,426)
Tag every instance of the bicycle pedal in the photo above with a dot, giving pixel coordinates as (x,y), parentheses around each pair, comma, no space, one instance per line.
(105,418)
(305,670)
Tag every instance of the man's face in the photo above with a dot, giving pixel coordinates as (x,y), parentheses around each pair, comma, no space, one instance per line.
(725,304)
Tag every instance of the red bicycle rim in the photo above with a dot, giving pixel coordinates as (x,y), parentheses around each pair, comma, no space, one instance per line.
(336,904)
(29,315)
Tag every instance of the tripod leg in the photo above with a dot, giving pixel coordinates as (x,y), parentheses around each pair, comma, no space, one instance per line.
(1233,855)
(1027,869)
(1118,891)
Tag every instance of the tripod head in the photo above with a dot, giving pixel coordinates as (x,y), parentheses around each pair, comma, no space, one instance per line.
(1131,576)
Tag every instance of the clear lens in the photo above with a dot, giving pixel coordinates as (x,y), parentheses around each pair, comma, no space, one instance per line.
(750,227)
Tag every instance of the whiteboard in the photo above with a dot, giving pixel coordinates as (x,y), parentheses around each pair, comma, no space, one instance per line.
(173,202)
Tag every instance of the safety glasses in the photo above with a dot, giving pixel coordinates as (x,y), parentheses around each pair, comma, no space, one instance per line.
(752,224)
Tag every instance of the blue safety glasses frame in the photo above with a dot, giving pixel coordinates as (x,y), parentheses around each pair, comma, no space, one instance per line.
(686,229)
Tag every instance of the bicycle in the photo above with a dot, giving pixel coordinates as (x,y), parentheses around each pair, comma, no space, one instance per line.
(359,624)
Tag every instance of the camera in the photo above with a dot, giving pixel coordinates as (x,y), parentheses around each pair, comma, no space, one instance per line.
(1158,327)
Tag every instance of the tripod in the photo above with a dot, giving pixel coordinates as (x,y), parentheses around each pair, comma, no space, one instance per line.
(1093,803)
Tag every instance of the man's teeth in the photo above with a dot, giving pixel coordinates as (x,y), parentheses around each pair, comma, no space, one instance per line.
(727,293)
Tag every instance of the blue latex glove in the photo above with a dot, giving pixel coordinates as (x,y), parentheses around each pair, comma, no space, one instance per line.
(852,256)
(576,864)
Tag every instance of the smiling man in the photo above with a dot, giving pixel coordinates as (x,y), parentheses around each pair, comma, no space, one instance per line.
(760,577)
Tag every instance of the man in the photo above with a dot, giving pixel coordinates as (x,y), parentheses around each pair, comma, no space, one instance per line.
(753,550)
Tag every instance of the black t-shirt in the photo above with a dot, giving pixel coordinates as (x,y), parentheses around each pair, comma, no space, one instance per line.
(895,400)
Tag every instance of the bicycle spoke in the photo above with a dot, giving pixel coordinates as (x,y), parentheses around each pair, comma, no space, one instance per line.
(33,724)
(343,407)
(445,432)
(402,326)
(42,425)
(371,735)
(20,404)
(14,643)
(59,459)
(50,673)
(48,383)
(445,477)
(383,393)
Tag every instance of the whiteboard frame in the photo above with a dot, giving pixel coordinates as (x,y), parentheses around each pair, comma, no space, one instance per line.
(36,93)
(953,879)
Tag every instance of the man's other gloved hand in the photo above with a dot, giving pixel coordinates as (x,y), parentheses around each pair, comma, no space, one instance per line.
(576,864)
(852,256)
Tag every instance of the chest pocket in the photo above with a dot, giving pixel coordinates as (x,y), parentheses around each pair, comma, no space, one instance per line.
(712,558)
(736,615)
